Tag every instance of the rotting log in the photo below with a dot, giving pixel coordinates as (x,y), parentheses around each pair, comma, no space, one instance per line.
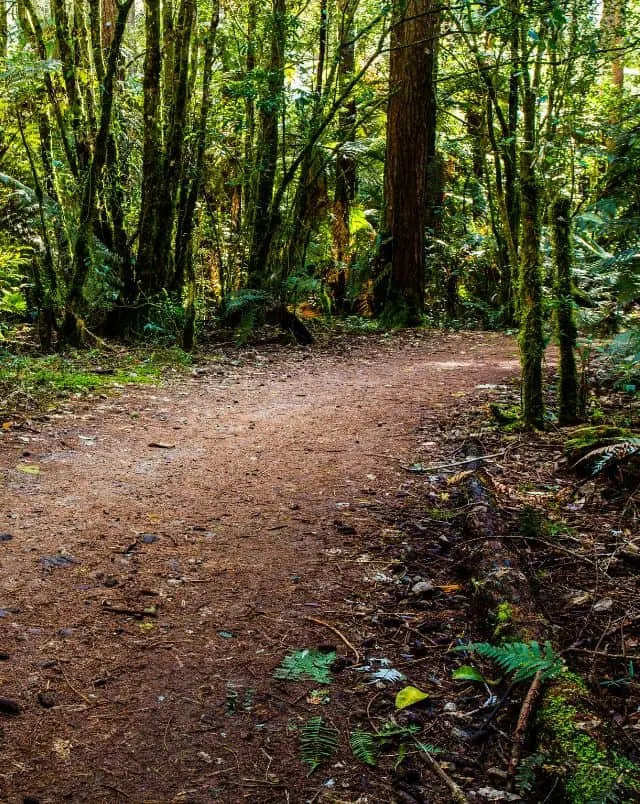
(570,736)
(502,592)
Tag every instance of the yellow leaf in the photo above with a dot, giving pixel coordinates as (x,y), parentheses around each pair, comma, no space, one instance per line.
(6,425)
(408,696)
(146,627)
(459,477)
(28,468)
(450,588)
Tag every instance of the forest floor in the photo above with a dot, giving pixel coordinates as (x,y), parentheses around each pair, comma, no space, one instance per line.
(164,549)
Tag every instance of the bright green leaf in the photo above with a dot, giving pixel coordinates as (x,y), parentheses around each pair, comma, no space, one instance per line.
(409,696)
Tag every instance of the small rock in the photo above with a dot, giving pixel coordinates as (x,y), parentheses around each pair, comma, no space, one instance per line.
(46,700)
(491,794)
(149,538)
(606,604)
(450,706)
(110,582)
(50,562)
(5,537)
(422,588)
(9,707)
(204,757)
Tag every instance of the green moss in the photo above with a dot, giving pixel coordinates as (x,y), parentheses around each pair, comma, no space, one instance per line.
(502,618)
(590,770)
(32,383)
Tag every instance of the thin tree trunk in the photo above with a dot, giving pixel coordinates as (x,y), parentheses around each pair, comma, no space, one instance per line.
(152,161)
(568,387)
(264,222)
(346,170)
(4,29)
(531,336)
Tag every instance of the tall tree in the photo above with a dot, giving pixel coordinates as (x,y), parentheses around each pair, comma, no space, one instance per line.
(531,336)
(265,217)
(411,122)
(346,168)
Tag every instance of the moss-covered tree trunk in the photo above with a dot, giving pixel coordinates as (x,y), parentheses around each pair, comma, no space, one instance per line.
(72,329)
(152,155)
(4,29)
(346,168)
(310,200)
(531,336)
(265,218)
(568,388)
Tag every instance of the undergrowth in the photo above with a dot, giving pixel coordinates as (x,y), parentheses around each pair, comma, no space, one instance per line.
(29,384)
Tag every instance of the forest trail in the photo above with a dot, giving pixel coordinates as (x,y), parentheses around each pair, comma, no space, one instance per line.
(172,546)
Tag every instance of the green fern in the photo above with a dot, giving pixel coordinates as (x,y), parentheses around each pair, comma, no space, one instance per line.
(526,773)
(524,659)
(318,742)
(306,664)
(610,453)
(365,746)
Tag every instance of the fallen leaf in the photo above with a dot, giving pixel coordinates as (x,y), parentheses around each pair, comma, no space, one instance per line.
(467,673)
(28,468)
(409,696)
(62,748)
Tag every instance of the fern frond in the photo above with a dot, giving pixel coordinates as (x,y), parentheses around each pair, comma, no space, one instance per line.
(306,664)
(526,773)
(365,747)
(524,659)
(611,453)
(318,742)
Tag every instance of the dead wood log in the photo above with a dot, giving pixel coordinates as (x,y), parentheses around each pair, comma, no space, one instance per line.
(573,739)
(502,592)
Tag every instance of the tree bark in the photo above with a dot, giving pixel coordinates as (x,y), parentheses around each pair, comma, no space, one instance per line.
(346,170)
(568,388)
(265,217)
(73,329)
(4,29)
(411,121)
(531,336)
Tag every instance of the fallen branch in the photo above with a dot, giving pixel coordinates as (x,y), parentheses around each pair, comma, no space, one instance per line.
(338,634)
(424,469)
(526,711)
(457,793)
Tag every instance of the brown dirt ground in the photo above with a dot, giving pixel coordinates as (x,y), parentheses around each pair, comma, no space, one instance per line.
(178,542)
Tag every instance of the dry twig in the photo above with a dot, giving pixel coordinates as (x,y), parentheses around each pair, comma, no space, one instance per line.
(337,633)
(523,721)
(457,793)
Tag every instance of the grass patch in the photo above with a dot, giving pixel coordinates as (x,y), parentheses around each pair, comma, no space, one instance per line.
(29,384)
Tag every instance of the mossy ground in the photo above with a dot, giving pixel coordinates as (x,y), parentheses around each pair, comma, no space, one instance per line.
(35,383)
(592,771)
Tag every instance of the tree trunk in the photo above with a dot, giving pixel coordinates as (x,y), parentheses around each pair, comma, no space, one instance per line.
(568,390)
(613,35)
(149,278)
(531,336)
(265,218)
(4,29)
(411,121)
(310,202)
(73,328)
(346,170)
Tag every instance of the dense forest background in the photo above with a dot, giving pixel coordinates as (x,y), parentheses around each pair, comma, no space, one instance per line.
(171,164)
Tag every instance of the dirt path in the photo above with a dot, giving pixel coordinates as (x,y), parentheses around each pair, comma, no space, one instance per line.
(148,592)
